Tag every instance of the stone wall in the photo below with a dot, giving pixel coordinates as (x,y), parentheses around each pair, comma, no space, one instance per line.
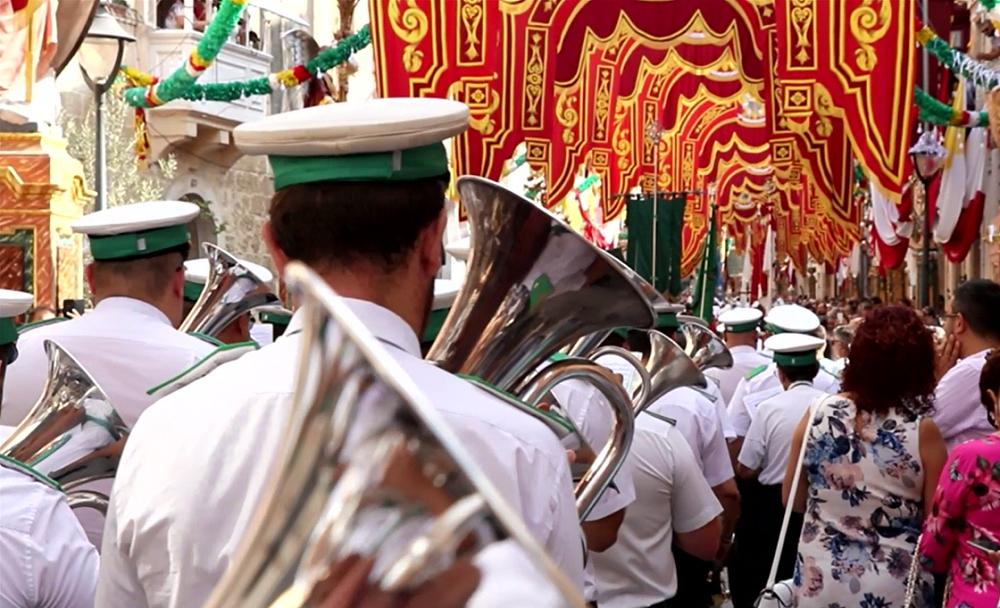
(248,189)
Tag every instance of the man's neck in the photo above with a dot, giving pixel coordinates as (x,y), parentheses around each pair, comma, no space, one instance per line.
(977,344)
(158,305)
(390,292)
(735,340)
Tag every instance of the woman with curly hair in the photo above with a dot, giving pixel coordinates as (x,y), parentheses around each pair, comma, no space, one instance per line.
(871,464)
(966,508)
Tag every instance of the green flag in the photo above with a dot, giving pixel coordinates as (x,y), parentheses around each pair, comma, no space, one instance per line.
(670,224)
(708,270)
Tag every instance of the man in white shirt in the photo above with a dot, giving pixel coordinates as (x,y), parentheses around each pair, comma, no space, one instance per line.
(359,197)
(128,343)
(741,340)
(196,275)
(674,508)
(12,305)
(972,321)
(762,464)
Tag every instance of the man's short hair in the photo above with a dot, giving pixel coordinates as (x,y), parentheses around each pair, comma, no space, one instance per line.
(979,302)
(342,223)
(843,334)
(800,373)
(147,278)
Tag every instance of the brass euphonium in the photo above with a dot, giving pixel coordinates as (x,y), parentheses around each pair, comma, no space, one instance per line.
(532,287)
(72,436)
(705,348)
(669,367)
(231,290)
(371,495)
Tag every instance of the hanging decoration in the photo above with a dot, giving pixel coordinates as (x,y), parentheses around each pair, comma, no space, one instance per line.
(942,115)
(956,61)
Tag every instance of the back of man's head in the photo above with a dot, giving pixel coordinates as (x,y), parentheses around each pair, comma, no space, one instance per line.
(978,301)
(151,279)
(369,225)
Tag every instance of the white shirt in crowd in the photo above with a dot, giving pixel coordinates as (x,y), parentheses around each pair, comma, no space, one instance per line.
(174,523)
(745,358)
(751,392)
(592,415)
(46,557)
(671,495)
(958,412)
(698,421)
(769,438)
(126,345)
(713,392)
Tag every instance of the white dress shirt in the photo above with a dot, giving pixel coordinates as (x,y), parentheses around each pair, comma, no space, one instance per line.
(592,415)
(745,358)
(751,392)
(958,411)
(47,561)
(698,421)
(713,392)
(769,438)
(185,492)
(126,345)
(671,494)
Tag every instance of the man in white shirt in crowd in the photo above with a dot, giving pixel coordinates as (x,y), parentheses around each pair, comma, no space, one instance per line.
(972,322)
(47,559)
(761,468)
(129,342)
(359,197)
(741,340)
(196,276)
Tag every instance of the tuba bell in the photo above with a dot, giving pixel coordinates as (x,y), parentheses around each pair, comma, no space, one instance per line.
(705,348)
(72,436)
(371,496)
(231,290)
(532,287)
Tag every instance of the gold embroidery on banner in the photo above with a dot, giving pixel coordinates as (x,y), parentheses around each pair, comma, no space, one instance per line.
(803,22)
(868,27)
(567,116)
(649,116)
(622,142)
(534,68)
(824,110)
(602,103)
(411,25)
(600,159)
(482,100)
(687,165)
(707,117)
(472,15)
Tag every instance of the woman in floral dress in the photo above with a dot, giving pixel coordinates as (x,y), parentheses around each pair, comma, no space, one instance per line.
(872,462)
(967,507)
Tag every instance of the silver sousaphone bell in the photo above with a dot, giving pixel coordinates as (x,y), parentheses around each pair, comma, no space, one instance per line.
(705,348)
(231,290)
(371,497)
(532,287)
(72,436)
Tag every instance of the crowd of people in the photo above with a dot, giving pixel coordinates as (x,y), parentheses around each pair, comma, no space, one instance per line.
(848,457)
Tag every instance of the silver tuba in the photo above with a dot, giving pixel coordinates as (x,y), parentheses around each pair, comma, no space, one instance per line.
(705,348)
(231,290)
(72,436)
(532,287)
(371,497)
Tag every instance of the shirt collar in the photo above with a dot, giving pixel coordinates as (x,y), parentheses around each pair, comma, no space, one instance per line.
(800,383)
(119,304)
(743,348)
(388,327)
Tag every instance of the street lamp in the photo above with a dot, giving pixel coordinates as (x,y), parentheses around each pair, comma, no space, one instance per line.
(100,57)
(655,133)
(927,156)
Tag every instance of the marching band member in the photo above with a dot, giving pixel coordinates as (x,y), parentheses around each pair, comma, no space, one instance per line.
(763,460)
(741,340)
(699,421)
(128,342)
(47,559)
(360,197)
(195,277)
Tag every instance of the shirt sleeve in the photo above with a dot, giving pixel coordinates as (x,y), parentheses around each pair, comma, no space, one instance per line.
(715,454)
(946,517)
(739,416)
(952,397)
(692,502)
(118,584)
(755,444)
(64,562)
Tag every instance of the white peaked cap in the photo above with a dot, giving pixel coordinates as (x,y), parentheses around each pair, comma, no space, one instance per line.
(196,271)
(14,303)
(792,318)
(735,318)
(139,229)
(793,343)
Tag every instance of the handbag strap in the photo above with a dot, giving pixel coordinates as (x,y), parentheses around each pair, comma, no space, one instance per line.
(791,496)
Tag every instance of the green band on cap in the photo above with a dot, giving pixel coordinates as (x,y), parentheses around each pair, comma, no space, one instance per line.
(795,359)
(8,331)
(402,165)
(774,329)
(434,325)
(667,320)
(192,290)
(621,332)
(740,328)
(133,244)
(274,318)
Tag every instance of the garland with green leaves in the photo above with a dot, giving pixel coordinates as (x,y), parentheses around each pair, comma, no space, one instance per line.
(956,61)
(942,115)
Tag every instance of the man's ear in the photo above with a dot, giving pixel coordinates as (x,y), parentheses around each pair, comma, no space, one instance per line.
(431,243)
(177,285)
(278,257)
(244,321)
(88,274)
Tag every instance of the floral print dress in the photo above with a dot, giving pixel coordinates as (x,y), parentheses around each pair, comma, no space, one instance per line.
(864,510)
(966,507)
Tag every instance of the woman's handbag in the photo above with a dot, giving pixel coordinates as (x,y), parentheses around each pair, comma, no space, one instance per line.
(779,594)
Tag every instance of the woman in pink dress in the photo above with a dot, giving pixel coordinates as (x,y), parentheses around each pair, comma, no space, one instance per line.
(967,508)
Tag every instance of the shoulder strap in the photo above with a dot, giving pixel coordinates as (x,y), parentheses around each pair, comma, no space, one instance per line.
(557,424)
(222,354)
(36,324)
(755,371)
(813,408)
(207,338)
(705,394)
(20,467)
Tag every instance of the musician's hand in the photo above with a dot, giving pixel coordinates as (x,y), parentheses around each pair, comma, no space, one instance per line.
(947,356)
(571,456)
(451,589)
